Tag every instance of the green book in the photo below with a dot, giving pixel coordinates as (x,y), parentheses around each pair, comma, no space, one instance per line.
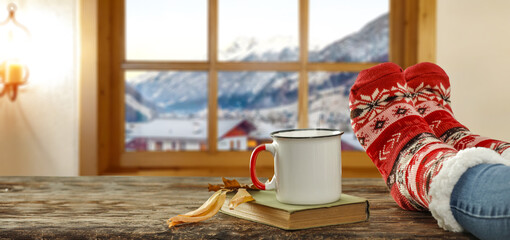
(267,210)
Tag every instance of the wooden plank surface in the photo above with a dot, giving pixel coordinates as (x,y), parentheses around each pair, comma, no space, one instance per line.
(137,208)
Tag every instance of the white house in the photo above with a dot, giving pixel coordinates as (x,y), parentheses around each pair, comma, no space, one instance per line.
(185,135)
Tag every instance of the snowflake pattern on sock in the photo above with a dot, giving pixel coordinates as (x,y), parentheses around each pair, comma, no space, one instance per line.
(368,106)
(430,88)
(395,136)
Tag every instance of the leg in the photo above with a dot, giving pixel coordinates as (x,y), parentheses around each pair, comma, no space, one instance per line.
(419,169)
(397,139)
(480,201)
(430,87)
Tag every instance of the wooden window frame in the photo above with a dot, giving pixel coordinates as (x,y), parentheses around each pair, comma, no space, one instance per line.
(412,40)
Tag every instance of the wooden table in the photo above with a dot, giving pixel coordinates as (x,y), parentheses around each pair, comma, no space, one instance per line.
(137,208)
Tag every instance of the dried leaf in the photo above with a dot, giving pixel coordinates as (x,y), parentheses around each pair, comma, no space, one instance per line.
(214,203)
(241,196)
(231,184)
(172,223)
(215,207)
(205,206)
(214,188)
(206,211)
(249,186)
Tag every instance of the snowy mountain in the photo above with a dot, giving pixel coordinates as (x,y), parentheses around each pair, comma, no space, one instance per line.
(250,49)
(265,97)
(370,44)
(136,107)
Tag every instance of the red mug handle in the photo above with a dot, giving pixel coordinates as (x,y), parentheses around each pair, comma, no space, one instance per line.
(253,173)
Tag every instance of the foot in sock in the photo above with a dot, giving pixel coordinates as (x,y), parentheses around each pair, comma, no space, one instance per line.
(419,169)
(430,87)
(395,136)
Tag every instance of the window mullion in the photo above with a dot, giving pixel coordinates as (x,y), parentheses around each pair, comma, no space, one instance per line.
(213,76)
(118,57)
(303,59)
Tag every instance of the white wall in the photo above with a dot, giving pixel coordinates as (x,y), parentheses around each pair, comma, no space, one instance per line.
(473,46)
(39,131)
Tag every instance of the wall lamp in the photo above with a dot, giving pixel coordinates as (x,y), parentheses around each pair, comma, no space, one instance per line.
(14,40)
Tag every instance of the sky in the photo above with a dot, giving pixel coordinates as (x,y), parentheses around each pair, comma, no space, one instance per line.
(157,29)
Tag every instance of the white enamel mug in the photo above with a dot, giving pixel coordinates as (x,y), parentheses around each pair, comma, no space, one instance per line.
(307,166)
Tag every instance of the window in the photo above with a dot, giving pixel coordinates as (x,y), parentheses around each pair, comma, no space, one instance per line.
(202,82)
(258,31)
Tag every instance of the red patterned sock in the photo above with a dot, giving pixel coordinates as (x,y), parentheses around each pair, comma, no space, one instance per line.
(430,87)
(397,139)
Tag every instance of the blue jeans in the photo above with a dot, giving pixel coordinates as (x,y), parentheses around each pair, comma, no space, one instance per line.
(480,201)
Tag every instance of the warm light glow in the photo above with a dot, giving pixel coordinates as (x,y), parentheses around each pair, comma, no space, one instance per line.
(14,40)
(14,73)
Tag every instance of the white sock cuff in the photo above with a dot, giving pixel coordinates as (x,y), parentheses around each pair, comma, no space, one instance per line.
(443,183)
(506,154)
